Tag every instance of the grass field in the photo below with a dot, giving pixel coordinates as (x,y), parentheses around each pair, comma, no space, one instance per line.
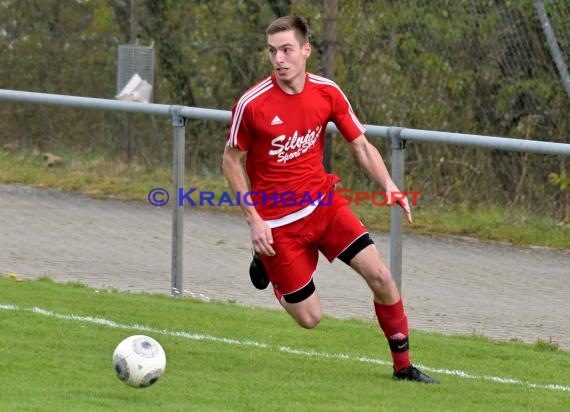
(57,340)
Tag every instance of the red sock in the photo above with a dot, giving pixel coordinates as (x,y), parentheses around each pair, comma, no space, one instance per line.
(394,324)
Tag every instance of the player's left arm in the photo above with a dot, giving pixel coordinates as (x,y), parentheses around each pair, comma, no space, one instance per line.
(371,160)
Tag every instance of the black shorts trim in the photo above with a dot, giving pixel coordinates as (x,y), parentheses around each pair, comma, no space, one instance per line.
(355,247)
(301,294)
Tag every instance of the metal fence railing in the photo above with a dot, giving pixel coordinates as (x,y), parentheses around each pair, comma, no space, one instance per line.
(179,115)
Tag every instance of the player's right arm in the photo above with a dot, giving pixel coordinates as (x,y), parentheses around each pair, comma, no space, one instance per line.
(234,172)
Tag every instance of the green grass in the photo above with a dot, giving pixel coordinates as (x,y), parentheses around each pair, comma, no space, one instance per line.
(53,361)
(514,226)
(99,175)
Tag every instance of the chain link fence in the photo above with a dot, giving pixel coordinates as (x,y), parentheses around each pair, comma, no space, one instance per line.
(471,66)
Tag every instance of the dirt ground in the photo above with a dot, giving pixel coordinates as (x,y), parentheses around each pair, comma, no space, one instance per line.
(451,285)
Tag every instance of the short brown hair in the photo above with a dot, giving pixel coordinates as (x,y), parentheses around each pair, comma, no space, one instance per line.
(298,24)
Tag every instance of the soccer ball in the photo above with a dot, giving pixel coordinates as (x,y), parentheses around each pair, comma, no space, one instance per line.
(139,361)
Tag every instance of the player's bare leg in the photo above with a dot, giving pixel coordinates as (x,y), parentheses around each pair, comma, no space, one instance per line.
(378,277)
(389,312)
(307,313)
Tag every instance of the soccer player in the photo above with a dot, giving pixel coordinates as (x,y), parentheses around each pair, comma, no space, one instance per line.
(277,129)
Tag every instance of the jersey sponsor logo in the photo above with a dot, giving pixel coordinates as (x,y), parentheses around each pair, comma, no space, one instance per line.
(276,120)
(287,148)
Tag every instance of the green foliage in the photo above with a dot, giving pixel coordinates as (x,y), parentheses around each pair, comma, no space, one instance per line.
(474,67)
(561,180)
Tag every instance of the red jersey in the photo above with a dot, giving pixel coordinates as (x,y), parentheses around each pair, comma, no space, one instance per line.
(284,137)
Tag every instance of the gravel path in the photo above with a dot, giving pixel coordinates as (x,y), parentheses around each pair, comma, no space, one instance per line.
(450,285)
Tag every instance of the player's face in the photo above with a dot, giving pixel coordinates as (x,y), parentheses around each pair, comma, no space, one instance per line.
(289,59)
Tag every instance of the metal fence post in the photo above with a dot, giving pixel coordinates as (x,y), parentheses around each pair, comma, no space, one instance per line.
(178,124)
(398,146)
(555,51)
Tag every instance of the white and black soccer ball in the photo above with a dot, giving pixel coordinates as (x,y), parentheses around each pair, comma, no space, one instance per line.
(139,361)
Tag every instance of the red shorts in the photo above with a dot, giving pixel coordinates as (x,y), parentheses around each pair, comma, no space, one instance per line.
(330,229)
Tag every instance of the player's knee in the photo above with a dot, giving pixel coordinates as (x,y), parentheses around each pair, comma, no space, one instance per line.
(309,320)
(304,306)
(379,277)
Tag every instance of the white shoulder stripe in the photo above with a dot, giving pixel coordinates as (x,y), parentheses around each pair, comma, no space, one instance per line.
(313,78)
(247,97)
(321,79)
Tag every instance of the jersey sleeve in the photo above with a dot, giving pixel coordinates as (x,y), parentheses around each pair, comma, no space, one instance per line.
(239,134)
(344,117)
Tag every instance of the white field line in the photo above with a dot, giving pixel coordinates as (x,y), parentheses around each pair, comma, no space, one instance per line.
(285,349)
